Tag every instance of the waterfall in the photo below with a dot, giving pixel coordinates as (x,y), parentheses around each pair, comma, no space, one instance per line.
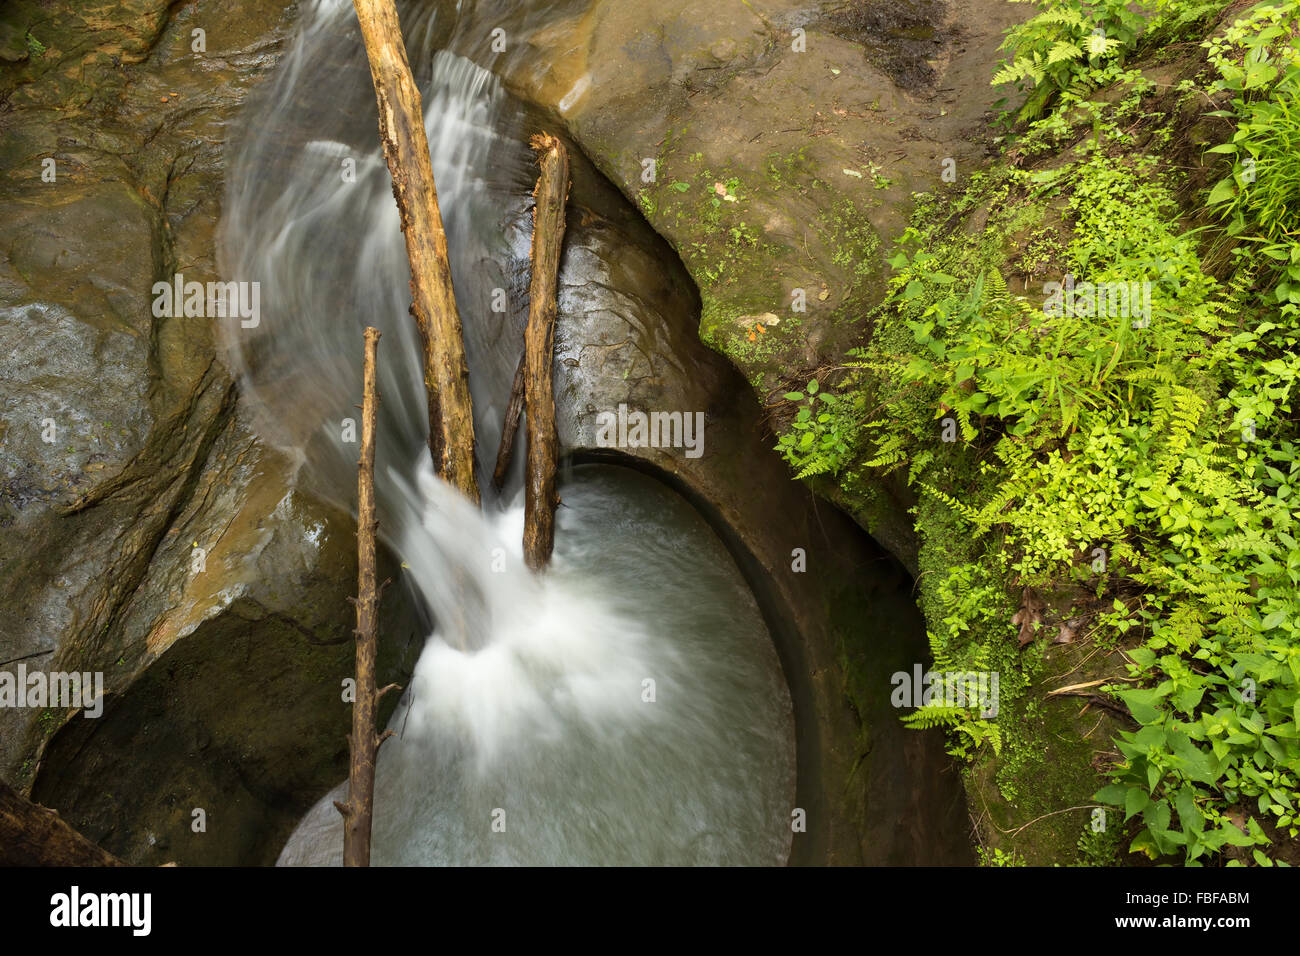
(626,706)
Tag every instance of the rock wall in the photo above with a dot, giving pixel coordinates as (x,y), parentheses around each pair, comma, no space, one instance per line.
(154,535)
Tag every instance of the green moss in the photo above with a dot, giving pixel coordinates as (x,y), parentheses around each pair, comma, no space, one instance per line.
(1038,793)
(718,219)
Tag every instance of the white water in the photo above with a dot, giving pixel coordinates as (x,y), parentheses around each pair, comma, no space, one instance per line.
(529,697)
(549,721)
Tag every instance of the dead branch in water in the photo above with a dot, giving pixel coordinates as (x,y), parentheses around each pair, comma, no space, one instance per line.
(540,499)
(363,742)
(433,305)
(511,425)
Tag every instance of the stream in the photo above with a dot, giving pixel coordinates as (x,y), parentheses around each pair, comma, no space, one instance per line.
(625,707)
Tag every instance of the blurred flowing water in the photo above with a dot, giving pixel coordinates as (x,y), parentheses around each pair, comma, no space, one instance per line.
(625,707)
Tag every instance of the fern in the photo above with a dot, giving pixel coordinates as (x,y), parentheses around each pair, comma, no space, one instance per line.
(819,464)
(1063,51)
(935,715)
(967,513)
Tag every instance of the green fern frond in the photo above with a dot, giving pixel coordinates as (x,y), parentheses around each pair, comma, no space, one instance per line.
(936,715)
(1069,16)
(995,286)
(968,513)
(1063,50)
(817,465)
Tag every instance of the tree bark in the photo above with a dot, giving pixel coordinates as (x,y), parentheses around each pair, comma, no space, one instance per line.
(32,835)
(433,306)
(506,451)
(540,500)
(363,742)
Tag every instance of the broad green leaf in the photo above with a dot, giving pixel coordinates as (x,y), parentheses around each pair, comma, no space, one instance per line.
(1222,192)
(1135,801)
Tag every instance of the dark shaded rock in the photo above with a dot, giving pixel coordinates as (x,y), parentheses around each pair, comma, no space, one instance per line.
(242,718)
(155,540)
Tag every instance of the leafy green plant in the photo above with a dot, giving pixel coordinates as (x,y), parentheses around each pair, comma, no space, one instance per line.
(1258,61)
(1209,739)
(1168,436)
(1164,443)
(1000,857)
(821,439)
(1056,50)
(1099,846)
(968,729)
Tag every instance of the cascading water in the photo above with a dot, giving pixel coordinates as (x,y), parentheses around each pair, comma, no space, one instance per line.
(625,707)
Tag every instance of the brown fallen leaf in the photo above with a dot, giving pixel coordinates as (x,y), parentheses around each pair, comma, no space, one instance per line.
(1029,616)
(1068,632)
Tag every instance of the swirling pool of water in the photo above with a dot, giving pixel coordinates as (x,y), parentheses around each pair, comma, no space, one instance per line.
(626,708)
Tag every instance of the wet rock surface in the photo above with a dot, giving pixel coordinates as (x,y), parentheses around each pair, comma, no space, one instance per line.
(243,719)
(782,154)
(144,532)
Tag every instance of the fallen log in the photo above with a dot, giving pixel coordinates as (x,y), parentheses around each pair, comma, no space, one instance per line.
(510,427)
(433,303)
(363,742)
(540,500)
(32,835)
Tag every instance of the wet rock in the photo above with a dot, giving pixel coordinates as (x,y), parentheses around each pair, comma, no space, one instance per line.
(780,101)
(147,534)
(899,36)
(70,406)
(132,414)
(240,713)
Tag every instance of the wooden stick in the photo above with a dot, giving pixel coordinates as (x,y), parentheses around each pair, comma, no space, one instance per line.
(1073,687)
(540,500)
(363,742)
(433,306)
(32,835)
(506,451)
